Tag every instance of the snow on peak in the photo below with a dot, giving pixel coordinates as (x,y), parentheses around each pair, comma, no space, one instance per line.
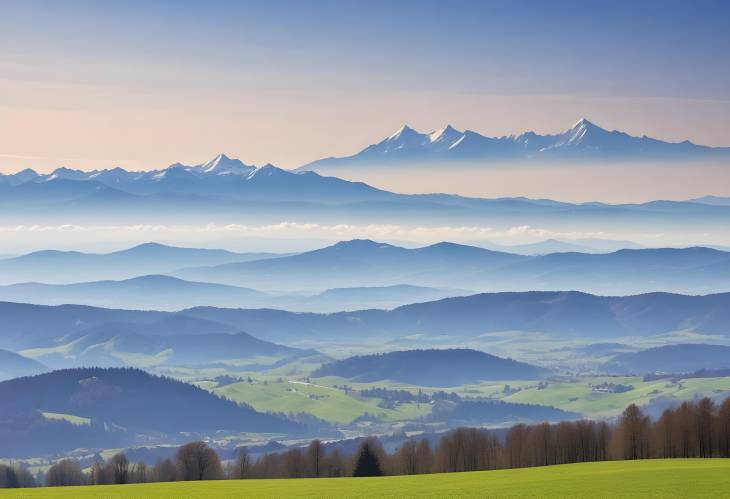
(219,161)
(402,132)
(223,165)
(577,133)
(446,134)
(268,170)
(583,125)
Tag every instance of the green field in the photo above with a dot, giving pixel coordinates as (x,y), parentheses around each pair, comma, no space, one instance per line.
(325,402)
(56,416)
(578,396)
(665,479)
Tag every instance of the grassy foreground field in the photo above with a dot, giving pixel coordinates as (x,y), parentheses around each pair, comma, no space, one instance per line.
(677,478)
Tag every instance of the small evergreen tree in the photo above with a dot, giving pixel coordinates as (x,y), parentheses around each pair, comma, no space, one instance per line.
(367,463)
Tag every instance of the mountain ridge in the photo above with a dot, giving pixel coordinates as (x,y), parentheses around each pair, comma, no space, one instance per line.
(682,358)
(66,267)
(358,263)
(270,195)
(567,314)
(583,140)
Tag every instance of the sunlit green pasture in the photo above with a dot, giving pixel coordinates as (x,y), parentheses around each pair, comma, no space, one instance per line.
(325,402)
(665,479)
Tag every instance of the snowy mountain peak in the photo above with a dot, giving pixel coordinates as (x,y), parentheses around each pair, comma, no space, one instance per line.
(583,140)
(221,158)
(268,170)
(583,123)
(578,134)
(223,165)
(446,134)
(403,132)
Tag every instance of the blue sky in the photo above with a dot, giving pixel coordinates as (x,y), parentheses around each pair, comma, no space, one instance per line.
(144,84)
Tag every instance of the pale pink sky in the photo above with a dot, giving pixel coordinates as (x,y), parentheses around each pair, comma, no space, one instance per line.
(46,125)
(144,84)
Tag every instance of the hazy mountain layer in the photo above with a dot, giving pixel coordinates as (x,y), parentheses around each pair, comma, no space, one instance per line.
(53,267)
(671,359)
(368,263)
(13,365)
(559,314)
(269,195)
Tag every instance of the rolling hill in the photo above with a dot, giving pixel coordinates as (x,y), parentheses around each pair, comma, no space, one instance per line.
(559,314)
(358,263)
(360,274)
(431,368)
(685,358)
(383,297)
(13,365)
(548,246)
(133,399)
(494,412)
(119,404)
(156,292)
(127,344)
(63,267)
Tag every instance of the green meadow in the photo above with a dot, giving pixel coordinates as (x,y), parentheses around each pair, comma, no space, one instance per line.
(322,399)
(325,402)
(660,479)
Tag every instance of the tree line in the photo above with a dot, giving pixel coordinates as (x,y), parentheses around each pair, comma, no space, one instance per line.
(693,429)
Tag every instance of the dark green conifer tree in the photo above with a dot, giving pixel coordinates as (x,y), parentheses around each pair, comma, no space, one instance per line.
(366,463)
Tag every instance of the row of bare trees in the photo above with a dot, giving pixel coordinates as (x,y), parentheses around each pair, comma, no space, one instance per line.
(694,429)
(193,461)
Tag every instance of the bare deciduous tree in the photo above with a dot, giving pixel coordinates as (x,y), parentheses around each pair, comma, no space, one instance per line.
(633,431)
(64,473)
(197,461)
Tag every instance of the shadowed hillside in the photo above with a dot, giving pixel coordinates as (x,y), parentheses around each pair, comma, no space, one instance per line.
(671,359)
(431,368)
(110,408)
(13,365)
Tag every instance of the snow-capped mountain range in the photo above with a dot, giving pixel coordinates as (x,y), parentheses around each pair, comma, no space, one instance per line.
(221,165)
(221,178)
(584,141)
(232,190)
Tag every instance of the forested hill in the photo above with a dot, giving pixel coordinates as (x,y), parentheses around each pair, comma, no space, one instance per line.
(134,400)
(449,367)
(685,358)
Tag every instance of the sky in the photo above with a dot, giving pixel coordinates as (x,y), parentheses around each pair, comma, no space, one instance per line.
(146,84)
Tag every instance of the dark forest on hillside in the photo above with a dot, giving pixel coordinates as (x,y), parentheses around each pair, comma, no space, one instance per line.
(700,429)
